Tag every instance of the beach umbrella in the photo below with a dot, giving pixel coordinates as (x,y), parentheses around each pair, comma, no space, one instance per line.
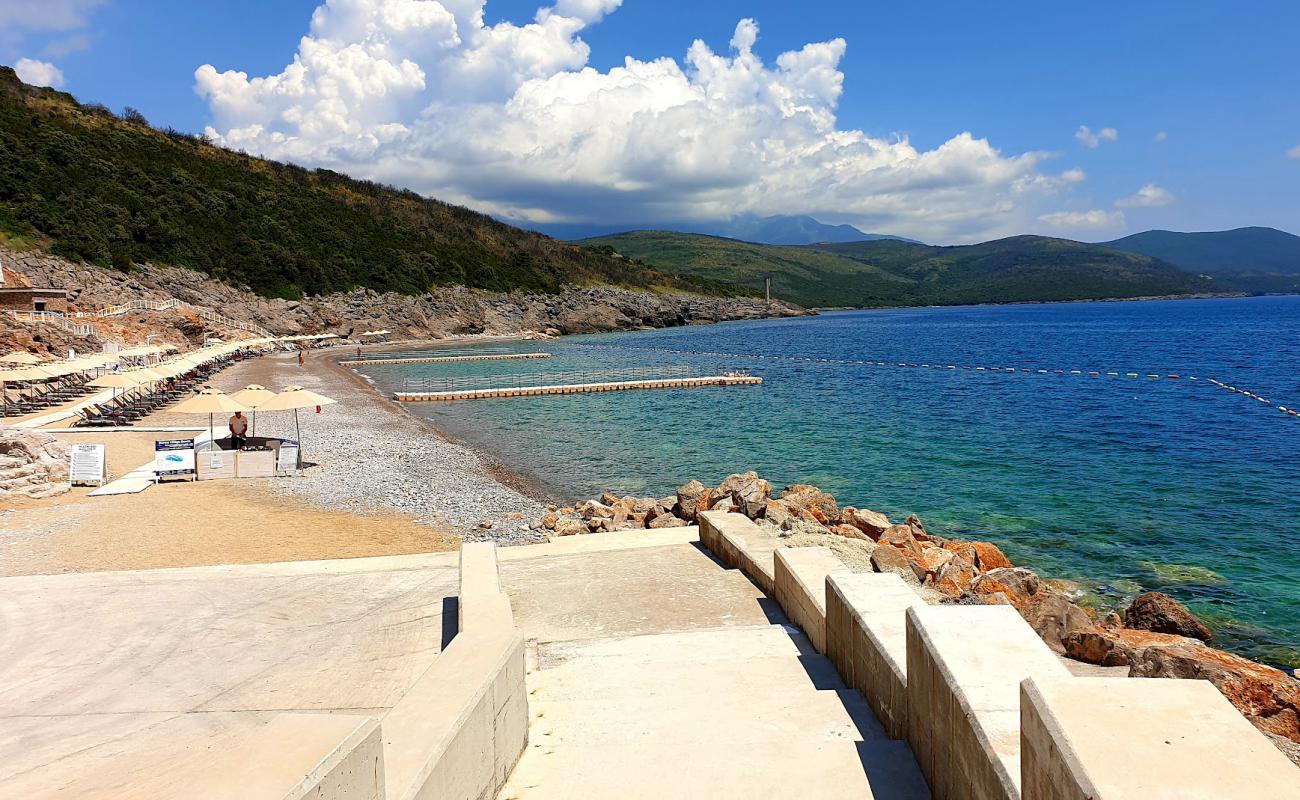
(114,381)
(21,357)
(292,399)
(253,395)
(209,401)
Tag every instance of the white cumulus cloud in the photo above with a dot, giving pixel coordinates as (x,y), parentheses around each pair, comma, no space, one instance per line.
(1074,175)
(1093,139)
(1160,137)
(1294,152)
(510,119)
(1095,219)
(1149,196)
(38,73)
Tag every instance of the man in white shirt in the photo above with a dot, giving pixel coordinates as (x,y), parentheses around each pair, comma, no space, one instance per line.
(238,429)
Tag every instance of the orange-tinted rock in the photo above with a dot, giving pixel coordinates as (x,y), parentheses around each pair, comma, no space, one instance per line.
(549,519)
(1267,697)
(688,500)
(932,559)
(918,530)
(990,556)
(809,498)
(891,559)
(1054,617)
(1155,611)
(984,555)
(954,578)
(847,531)
(900,536)
(779,512)
(872,523)
(1017,584)
(1112,647)
(666,520)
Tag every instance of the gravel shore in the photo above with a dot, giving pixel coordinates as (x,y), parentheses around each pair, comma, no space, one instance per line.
(370,454)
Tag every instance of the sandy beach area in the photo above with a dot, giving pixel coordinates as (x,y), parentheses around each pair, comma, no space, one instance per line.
(380,482)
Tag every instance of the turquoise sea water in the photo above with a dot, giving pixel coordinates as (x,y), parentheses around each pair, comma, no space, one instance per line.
(1121,484)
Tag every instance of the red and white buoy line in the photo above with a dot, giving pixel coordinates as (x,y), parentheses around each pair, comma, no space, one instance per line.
(1076,373)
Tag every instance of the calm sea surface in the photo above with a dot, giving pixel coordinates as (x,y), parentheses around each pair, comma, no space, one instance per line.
(1121,484)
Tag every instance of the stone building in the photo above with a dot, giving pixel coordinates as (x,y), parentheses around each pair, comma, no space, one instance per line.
(18,294)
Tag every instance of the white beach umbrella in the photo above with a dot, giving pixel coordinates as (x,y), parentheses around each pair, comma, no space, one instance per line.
(253,395)
(292,399)
(21,357)
(209,401)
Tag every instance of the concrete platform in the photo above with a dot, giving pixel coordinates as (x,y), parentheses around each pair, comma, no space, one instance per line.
(121,684)
(744,712)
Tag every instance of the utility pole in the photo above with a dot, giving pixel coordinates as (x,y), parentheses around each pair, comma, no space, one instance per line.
(767,289)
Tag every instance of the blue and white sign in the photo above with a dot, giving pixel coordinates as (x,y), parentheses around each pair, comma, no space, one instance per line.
(173,457)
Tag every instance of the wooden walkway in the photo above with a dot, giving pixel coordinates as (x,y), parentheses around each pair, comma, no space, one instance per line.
(441,359)
(577,388)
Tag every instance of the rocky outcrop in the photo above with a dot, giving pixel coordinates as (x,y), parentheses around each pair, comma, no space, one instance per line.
(32,464)
(441,312)
(1158,612)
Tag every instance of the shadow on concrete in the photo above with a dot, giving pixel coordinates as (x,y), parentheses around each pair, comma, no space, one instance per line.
(450,620)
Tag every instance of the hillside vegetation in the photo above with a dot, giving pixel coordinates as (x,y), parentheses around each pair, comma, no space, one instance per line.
(896,273)
(91,186)
(1256,259)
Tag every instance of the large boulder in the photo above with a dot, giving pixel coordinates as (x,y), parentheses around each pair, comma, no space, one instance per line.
(985,555)
(748,492)
(955,577)
(688,500)
(901,536)
(780,513)
(1016,584)
(1114,647)
(819,504)
(1158,612)
(872,523)
(891,559)
(1267,697)
(32,464)
(1054,617)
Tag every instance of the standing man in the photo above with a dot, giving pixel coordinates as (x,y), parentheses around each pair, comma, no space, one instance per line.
(300,358)
(238,429)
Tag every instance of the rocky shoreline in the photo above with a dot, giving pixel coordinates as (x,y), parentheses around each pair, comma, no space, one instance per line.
(440,313)
(1155,636)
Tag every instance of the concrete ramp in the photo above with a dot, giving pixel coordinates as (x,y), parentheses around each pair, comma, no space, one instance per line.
(654,672)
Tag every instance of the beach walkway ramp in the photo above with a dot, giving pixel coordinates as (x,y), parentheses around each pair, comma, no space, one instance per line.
(655,672)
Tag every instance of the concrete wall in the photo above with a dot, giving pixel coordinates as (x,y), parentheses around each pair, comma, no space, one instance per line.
(353,771)
(1157,739)
(964,668)
(866,639)
(462,727)
(799,583)
(740,544)
(949,680)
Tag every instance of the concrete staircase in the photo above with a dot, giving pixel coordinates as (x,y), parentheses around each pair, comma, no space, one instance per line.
(654,673)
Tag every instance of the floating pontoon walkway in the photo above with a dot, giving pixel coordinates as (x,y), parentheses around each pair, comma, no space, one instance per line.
(441,359)
(578,388)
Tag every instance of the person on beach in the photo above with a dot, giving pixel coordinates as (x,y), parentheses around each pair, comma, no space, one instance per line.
(238,429)
(301,360)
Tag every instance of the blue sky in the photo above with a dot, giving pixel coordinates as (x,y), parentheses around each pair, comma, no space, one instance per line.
(1217,86)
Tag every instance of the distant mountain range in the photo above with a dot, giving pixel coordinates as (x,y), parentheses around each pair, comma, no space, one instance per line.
(888,272)
(781,229)
(1251,259)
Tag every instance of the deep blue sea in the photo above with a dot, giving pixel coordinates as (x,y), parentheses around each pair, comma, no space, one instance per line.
(1119,483)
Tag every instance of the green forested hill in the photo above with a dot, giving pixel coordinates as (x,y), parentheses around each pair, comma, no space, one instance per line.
(892,273)
(89,185)
(1258,259)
